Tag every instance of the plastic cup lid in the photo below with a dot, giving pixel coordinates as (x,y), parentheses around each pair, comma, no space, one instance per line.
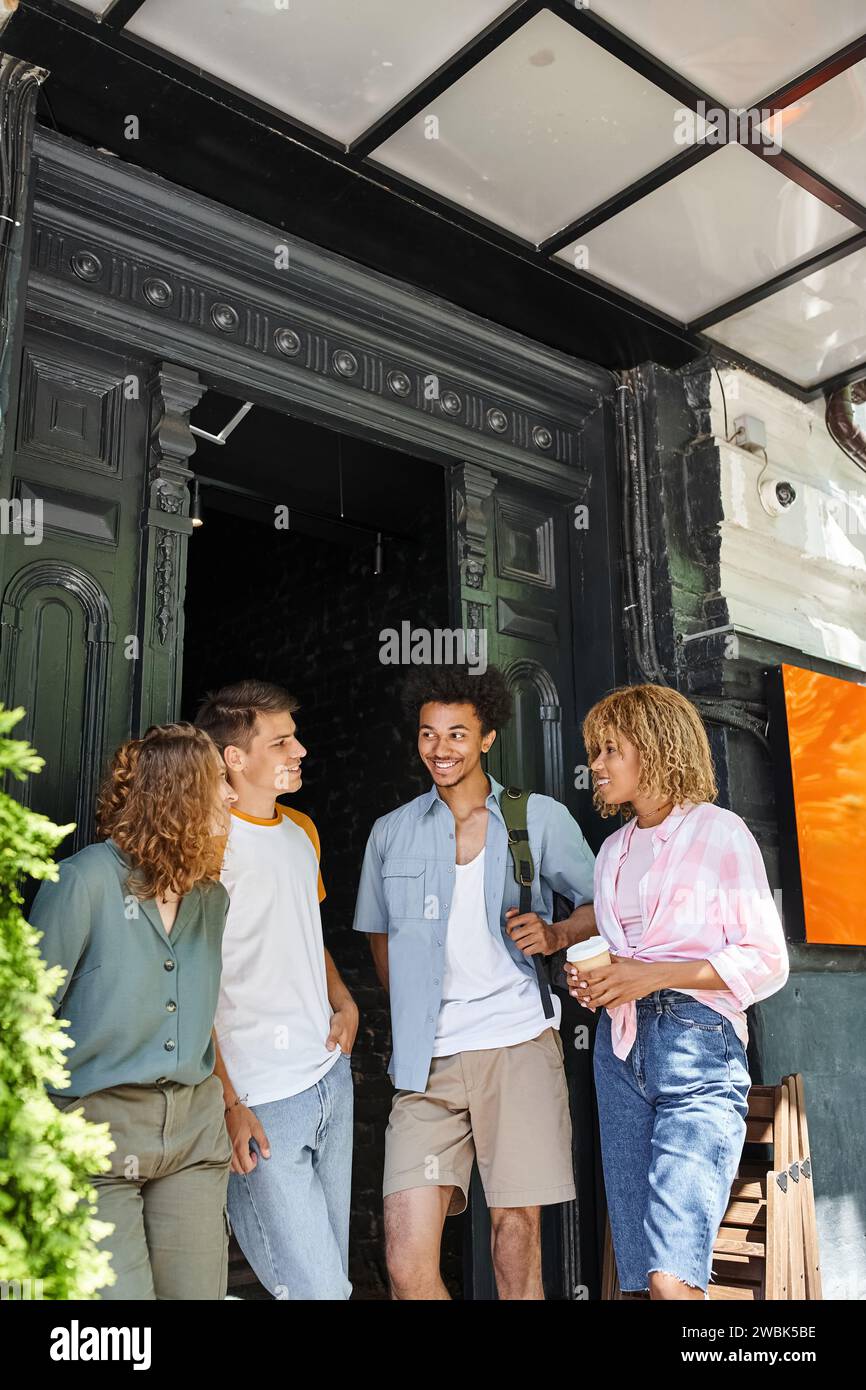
(583,950)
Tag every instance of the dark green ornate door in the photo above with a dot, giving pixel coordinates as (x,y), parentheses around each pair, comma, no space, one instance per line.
(519,560)
(69,587)
(92,579)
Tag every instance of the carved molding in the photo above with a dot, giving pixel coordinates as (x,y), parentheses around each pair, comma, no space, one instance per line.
(163,582)
(179,391)
(53,385)
(530,621)
(524,672)
(473,487)
(175,391)
(514,519)
(71,513)
(99,639)
(173,273)
(19,88)
(475,616)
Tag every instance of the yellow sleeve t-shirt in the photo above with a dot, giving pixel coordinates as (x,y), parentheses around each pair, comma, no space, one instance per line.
(308,828)
(273,1014)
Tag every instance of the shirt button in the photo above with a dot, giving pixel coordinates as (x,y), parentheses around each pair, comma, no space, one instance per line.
(171,1006)
(170,1045)
(435,982)
(168,965)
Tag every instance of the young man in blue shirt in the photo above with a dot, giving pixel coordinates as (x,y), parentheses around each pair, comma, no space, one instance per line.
(477,1066)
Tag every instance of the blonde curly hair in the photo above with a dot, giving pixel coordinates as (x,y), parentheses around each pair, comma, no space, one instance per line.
(667,731)
(158,805)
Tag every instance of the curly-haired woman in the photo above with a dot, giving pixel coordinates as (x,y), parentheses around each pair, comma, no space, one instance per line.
(682,899)
(137,922)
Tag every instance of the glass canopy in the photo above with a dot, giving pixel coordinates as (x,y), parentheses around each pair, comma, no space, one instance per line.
(578,131)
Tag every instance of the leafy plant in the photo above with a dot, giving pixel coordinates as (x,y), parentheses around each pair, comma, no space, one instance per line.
(48,1226)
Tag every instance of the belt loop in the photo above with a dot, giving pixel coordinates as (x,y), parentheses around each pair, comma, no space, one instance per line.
(658,1001)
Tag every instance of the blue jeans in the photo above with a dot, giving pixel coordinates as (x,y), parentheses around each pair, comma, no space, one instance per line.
(673,1122)
(291,1213)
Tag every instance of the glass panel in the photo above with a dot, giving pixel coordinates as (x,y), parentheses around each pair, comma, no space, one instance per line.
(336,65)
(827,129)
(722,227)
(543,129)
(810,331)
(741,50)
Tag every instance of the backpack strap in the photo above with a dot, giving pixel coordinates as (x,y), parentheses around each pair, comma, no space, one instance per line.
(513,805)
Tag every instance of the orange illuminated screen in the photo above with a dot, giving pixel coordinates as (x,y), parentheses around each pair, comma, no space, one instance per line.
(827,739)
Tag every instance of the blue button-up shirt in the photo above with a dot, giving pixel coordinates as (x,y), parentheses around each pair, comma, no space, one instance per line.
(406,890)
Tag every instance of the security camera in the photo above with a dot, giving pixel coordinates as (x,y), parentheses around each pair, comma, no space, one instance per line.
(777,494)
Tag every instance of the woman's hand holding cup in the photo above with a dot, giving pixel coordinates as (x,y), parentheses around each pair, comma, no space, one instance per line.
(581,960)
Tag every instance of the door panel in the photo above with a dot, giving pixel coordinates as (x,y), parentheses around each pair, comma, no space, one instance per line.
(511,548)
(56,636)
(68,646)
(512,554)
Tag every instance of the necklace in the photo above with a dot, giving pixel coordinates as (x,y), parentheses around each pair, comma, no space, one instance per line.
(649,821)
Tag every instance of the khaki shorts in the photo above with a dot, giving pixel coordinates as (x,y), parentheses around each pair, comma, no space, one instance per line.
(507,1107)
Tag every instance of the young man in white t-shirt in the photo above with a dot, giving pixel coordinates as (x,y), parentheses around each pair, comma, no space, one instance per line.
(285,1022)
(478,1060)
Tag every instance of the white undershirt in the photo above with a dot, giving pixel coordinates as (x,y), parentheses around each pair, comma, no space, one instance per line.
(486,1000)
(273,1014)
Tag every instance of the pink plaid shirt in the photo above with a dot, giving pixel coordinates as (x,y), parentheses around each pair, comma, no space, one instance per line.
(706,897)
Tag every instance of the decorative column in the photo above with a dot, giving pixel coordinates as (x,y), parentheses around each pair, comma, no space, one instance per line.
(19,88)
(166,527)
(472,488)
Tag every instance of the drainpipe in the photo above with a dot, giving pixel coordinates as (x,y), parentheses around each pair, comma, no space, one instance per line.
(636,543)
(842,420)
(749,716)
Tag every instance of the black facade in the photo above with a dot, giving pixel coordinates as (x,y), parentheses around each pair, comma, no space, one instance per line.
(521,490)
(141,299)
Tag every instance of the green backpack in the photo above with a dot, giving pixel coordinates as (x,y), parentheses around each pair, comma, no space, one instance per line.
(513,804)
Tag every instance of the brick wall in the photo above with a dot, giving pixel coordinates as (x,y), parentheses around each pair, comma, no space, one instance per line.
(307,613)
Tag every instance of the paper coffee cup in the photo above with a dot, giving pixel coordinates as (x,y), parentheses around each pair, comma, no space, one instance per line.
(591,954)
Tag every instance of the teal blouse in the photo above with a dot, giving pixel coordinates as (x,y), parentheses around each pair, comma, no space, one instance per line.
(139,1001)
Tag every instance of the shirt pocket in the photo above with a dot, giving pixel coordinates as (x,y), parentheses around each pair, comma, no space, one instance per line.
(403,885)
(80,974)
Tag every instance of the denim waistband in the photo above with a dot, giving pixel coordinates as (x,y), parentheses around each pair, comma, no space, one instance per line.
(658,997)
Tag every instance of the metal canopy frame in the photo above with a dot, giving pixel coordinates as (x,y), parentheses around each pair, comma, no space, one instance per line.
(359,156)
(120,12)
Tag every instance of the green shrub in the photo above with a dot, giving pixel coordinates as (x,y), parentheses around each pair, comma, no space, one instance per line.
(48,1230)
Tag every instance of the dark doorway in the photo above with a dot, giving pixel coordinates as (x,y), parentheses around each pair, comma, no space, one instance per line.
(296,599)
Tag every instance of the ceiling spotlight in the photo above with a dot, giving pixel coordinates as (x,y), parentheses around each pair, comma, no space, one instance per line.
(195,511)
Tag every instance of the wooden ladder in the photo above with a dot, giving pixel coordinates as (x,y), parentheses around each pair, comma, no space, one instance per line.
(767,1244)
